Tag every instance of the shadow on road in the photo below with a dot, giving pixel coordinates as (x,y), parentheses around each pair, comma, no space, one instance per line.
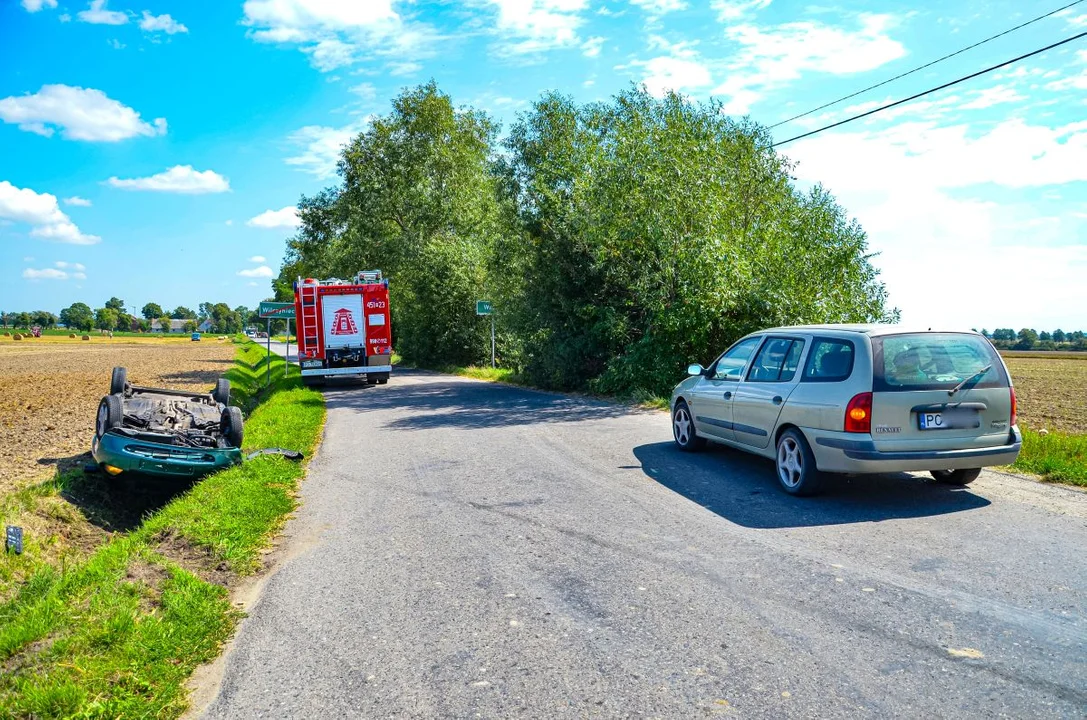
(742,489)
(471,405)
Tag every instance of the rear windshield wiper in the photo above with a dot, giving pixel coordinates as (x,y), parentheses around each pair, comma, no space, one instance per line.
(975,376)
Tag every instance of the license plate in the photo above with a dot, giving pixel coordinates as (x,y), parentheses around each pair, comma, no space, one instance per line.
(948,420)
(311,363)
(932,421)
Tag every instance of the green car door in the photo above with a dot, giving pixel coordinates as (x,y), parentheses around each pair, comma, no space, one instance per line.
(757,402)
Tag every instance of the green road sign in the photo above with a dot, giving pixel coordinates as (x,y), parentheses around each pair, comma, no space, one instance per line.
(276,310)
(483,307)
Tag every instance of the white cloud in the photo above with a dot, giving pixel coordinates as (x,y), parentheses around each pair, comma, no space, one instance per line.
(404,68)
(1076,21)
(80,113)
(116,44)
(656,8)
(258,272)
(733,9)
(335,34)
(320,148)
(783,53)
(919,191)
(252,283)
(36,5)
(284,218)
(592,46)
(97,14)
(45,274)
(77,267)
(42,213)
(257,259)
(366,91)
(229,222)
(989,97)
(77,201)
(178,179)
(533,26)
(674,73)
(161,23)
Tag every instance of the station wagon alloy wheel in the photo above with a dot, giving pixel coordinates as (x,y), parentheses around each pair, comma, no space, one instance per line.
(790,462)
(683,429)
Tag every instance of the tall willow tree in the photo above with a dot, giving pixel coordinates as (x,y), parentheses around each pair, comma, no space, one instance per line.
(656,231)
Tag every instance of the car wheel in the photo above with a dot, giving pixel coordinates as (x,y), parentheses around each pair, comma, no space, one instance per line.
(956,477)
(232,426)
(383,379)
(371,379)
(221,393)
(683,429)
(795,465)
(110,415)
(118,381)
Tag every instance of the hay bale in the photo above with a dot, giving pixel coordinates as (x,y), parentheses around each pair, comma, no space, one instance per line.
(16,336)
(86,337)
(7,334)
(71,336)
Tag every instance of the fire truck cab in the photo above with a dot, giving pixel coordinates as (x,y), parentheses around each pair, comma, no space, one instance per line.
(344,328)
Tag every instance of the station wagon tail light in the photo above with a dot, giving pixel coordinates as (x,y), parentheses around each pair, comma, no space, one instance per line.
(858,414)
(1015,406)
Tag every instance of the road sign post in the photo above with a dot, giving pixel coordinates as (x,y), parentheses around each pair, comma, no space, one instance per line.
(269,310)
(484,307)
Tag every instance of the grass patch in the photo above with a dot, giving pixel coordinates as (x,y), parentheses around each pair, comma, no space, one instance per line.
(118,632)
(1055,457)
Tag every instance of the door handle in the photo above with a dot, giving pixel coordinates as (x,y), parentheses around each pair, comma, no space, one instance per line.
(777,400)
(728,395)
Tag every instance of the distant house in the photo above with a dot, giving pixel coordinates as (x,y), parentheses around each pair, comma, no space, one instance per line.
(178,326)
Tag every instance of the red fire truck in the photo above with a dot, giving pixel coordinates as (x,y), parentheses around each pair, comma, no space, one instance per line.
(344,328)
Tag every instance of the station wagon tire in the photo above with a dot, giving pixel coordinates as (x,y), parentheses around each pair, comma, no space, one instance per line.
(794,464)
(117,381)
(232,426)
(221,393)
(110,415)
(683,429)
(956,477)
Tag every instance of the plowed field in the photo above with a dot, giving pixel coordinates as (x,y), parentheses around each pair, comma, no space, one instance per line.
(50,389)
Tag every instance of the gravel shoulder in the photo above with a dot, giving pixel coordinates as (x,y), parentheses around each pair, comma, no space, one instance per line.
(466,548)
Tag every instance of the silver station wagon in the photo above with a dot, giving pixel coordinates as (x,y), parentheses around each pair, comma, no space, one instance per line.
(854,399)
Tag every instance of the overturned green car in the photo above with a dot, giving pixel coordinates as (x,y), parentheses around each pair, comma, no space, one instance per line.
(166,433)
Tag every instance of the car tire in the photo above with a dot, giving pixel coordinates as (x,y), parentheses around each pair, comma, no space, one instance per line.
(111,414)
(232,426)
(956,477)
(221,393)
(794,464)
(683,429)
(371,379)
(383,379)
(118,381)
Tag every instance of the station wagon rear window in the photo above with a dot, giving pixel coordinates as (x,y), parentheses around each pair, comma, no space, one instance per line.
(934,361)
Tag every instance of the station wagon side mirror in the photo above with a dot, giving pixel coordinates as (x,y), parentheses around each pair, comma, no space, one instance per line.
(695,369)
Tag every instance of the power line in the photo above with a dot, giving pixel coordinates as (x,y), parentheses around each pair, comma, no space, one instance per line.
(932,90)
(926,65)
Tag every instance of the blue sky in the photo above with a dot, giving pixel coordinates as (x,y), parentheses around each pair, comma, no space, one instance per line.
(151,150)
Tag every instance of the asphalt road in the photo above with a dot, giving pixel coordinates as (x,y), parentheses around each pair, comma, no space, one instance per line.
(473,550)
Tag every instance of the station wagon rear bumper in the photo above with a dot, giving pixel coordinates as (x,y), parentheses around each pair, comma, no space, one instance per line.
(841,452)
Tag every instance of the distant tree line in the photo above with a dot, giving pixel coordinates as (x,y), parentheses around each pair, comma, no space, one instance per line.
(113,316)
(618,240)
(1030,339)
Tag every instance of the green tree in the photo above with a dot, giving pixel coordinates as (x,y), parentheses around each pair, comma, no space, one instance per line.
(1044,336)
(77,316)
(419,201)
(1004,334)
(1027,339)
(116,303)
(43,318)
(152,310)
(1058,336)
(190,326)
(657,231)
(164,323)
(23,320)
(105,318)
(182,313)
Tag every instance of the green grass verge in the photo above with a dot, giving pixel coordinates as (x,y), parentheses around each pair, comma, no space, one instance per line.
(118,633)
(1055,457)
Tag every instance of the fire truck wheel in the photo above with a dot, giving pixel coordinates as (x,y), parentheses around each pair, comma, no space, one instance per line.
(371,379)
(383,379)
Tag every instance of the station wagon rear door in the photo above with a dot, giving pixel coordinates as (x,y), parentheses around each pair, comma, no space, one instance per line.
(772,377)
